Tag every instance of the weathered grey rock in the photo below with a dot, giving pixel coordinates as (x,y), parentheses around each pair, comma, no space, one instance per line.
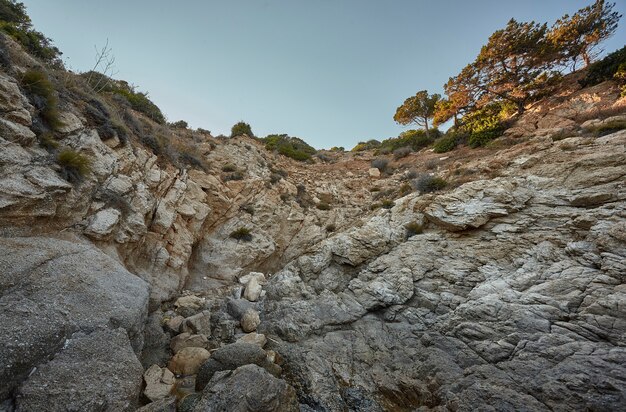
(198,324)
(237,307)
(250,320)
(475,203)
(52,288)
(188,360)
(248,388)
(189,305)
(162,405)
(156,342)
(98,371)
(103,223)
(159,382)
(230,357)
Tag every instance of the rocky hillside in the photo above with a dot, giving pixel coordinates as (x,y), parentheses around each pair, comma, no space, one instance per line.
(156,267)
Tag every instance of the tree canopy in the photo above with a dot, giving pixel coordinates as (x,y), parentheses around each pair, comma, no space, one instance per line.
(418,109)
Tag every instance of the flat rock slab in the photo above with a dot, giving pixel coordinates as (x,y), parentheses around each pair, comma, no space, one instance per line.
(95,372)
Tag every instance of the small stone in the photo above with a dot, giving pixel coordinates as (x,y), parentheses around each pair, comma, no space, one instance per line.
(253,290)
(373,172)
(254,338)
(188,361)
(187,340)
(103,223)
(173,325)
(250,320)
(258,276)
(237,307)
(199,324)
(192,302)
(159,382)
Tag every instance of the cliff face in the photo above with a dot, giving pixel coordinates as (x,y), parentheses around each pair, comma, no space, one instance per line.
(507,293)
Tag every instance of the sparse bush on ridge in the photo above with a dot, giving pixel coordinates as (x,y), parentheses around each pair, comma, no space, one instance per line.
(370,144)
(412,229)
(292,147)
(43,96)
(241,128)
(380,164)
(429,184)
(74,166)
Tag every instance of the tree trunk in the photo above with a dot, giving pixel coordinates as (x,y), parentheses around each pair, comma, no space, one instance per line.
(586,59)
(426,126)
(520,108)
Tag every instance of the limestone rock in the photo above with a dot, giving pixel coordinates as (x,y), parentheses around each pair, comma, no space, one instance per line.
(474,204)
(373,172)
(188,360)
(250,320)
(159,382)
(162,405)
(253,290)
(253,337)
(103,223)
(186,340)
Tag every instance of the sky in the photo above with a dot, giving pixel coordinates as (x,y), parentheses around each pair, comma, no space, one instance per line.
(331,72)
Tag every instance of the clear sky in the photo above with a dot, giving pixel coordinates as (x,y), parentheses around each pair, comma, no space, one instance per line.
(329,71)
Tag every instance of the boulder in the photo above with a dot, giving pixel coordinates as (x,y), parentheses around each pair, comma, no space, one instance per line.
(230,357)
(52,288)
(96,371)
(237,307)
(162,405)
(248,388)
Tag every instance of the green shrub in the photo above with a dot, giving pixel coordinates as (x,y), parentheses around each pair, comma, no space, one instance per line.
(15,22)
(445,144)
(387,204)
(241,128)
(43,96)
(380,163)
(412,229)
(412,139)
(604,69)
(337,149)
(139,101)
(484,124)
(48,142)
(429,184)
(331,227)
(74,166)
(233,176)
(369,145)
(229,168)
(405,189)
(292,147)
(181,124)
(401,152)
(243,233)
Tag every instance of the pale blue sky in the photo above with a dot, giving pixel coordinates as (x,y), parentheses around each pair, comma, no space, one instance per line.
(329,71)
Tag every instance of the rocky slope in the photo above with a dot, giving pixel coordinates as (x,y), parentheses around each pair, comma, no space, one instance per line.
(126,290)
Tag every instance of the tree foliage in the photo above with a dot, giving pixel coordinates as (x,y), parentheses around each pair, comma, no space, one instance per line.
(577,37)
(418,109)
(15,22)
(241,128)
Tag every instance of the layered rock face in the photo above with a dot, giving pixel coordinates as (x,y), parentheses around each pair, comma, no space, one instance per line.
(512,298)
(505,291)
